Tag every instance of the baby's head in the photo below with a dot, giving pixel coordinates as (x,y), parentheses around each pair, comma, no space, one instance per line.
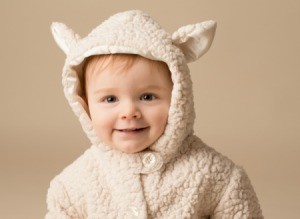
(128,99)
(126,92)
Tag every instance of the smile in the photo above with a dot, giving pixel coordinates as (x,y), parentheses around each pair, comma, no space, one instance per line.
(133,130)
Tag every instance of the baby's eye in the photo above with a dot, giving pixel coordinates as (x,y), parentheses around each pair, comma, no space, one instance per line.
(148,97)
(110,99)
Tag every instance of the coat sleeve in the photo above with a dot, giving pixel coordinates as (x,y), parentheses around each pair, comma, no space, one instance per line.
(239,200)
(58,202)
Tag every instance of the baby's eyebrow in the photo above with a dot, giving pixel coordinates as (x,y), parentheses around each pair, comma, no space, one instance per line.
(105,89)
(147,87)
(152,87)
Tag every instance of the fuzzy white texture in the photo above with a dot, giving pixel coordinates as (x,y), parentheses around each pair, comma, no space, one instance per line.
(189,180)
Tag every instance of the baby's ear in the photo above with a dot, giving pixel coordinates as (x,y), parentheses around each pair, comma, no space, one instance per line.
(65,37)
(194,40)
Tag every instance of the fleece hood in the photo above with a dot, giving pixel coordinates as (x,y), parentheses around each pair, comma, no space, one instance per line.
(135,32)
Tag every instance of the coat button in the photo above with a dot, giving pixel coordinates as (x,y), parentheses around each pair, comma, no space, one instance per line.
(134,211)
(149,160)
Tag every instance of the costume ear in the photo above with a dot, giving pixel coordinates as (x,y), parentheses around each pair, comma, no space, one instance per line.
(194,40)
(64,36)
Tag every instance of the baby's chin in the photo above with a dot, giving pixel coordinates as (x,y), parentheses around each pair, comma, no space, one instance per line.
(129,150)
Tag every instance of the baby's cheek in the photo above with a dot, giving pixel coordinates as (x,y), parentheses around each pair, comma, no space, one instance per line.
(99,123)
(161,117)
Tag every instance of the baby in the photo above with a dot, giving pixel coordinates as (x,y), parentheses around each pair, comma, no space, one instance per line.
(129,84)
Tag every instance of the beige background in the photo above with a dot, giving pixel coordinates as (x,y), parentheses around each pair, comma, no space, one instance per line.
(246,93)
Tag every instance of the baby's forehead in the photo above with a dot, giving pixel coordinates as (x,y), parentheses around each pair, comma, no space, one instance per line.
(121,64)
(138,73)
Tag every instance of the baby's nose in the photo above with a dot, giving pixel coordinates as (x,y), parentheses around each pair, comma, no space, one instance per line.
(130,111)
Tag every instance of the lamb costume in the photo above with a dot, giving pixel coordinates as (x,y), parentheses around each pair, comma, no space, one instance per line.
(176,177)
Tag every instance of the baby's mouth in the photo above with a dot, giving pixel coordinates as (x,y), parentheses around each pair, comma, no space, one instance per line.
(132,130)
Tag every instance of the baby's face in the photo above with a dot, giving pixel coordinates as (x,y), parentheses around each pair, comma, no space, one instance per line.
(129,110)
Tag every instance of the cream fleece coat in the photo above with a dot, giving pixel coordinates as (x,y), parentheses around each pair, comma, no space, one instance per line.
(176,177)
